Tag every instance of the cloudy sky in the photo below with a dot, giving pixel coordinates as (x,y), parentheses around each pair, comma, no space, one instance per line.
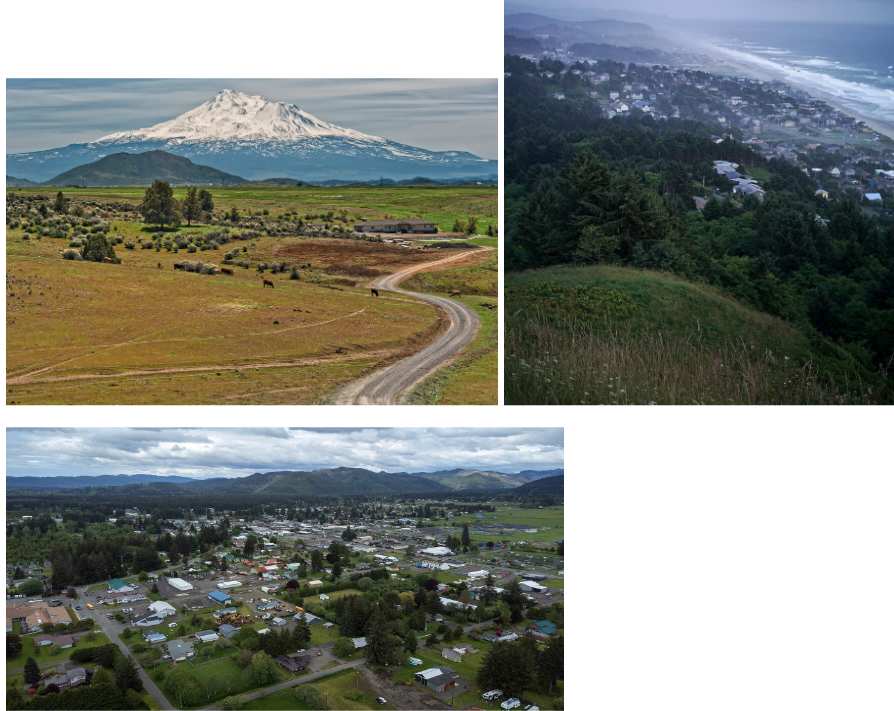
(229,452)
(873,11)
(436,114)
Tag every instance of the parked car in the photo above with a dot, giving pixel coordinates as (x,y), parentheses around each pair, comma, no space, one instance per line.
(172,624)
(532,707)
(77,607)
(381,700)
(319,652)
(510,704)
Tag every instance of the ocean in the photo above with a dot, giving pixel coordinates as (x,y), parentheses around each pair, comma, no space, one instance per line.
(852,64)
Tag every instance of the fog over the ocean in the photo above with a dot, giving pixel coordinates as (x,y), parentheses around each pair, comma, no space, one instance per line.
(231,452)
(875,11)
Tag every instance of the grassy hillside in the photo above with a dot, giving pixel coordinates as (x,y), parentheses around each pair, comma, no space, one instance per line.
(614,335)
(134,169)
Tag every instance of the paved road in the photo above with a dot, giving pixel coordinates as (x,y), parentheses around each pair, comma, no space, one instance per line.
(388,386)
(112,630)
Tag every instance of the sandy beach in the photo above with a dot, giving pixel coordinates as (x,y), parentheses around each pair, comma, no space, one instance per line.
(731,63)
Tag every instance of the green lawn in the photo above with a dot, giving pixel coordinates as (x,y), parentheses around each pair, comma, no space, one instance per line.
(101,586)
(321,635)
(87,639)
(338,685)
(560,583)
(226,668)
(315,600)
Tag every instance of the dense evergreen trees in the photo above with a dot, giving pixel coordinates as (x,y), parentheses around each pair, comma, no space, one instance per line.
(582,188)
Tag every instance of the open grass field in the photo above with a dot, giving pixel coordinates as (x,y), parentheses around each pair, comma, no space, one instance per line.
(612,335)
(334,595)
(340,689)
(226,668)
(142,333)
(321,635)
(87,639)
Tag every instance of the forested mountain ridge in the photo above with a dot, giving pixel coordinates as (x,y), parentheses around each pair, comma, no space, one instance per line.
(585,189)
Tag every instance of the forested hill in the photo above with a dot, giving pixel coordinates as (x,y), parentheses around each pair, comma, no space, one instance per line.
(582,188)
(82,482)
(550,486)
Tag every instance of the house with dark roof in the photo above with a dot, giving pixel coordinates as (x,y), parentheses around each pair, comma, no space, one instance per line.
(293,664)
(397,226)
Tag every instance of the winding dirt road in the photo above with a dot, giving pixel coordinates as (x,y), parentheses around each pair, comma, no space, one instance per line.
(388,386)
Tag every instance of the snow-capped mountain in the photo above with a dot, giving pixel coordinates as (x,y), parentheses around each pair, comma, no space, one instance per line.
(256,138)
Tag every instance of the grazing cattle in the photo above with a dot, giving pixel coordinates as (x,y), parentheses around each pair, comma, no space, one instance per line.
(107,260)
(159,265)
(180,266)
(455,293)
(225,270)
(375,292)
(266,282)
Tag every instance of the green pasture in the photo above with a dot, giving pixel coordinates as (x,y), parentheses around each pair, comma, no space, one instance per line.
(87,639)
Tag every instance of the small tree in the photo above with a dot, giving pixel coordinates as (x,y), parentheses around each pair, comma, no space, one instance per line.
(343,647)
(60,205)
(55,649)
(472,226)
(32,671)
(411,644)
(233,215)
(13,645)
(206,201)
(143,576)
(192,206)
(159,206)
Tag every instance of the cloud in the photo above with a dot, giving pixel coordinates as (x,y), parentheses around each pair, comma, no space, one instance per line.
(225,452)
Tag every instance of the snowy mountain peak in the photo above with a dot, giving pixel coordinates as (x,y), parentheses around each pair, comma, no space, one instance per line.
(234,116)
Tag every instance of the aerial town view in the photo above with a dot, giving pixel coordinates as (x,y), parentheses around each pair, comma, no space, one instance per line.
(375,577)
(241,250)
(699,210)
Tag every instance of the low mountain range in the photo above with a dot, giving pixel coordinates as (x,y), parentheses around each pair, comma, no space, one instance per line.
(257,138)
(138,169)
(320,482)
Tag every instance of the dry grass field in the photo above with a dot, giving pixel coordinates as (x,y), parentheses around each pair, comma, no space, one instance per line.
(139,332)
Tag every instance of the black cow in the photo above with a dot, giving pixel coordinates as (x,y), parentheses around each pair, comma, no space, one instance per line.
(375,292)
(180,266)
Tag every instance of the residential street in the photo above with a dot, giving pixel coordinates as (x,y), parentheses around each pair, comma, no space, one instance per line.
(112,630)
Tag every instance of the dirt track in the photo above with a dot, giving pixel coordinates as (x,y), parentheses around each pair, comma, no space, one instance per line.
(390,385)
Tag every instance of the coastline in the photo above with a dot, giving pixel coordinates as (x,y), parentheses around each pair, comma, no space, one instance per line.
(727,58)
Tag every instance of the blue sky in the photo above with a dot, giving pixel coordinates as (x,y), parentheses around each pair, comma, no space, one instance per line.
(436,114)
(233,452)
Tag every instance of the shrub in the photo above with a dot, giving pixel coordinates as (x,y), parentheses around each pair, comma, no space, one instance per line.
(71,254)
(232,703)
(309,696)
(192,249)
(76,242)
(129,245)
(295,273)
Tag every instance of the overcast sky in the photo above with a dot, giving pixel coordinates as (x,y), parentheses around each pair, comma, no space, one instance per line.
(436,114)
(805,10)
(229,452)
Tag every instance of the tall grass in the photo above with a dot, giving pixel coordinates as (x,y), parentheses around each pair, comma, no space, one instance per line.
(573,362)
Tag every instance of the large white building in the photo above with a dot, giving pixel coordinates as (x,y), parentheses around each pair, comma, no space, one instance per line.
(437,550)
(179,584)
(162,608)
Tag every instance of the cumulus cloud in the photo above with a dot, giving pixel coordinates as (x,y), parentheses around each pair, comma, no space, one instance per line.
(230,452)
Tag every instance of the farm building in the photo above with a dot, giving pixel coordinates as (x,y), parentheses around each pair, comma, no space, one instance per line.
(224,611)
(179,584)
(531,586)
(228,631)
(397,226)
(437,678)
(154,638)
(229,584)
(117,585)
(476,574)
(206,636)
(219,597)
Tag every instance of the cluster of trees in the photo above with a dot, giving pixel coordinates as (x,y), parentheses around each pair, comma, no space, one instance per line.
(521,666)
(582,188)
(160,207)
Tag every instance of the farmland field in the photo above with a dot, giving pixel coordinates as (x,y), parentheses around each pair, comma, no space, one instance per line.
(141,332)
